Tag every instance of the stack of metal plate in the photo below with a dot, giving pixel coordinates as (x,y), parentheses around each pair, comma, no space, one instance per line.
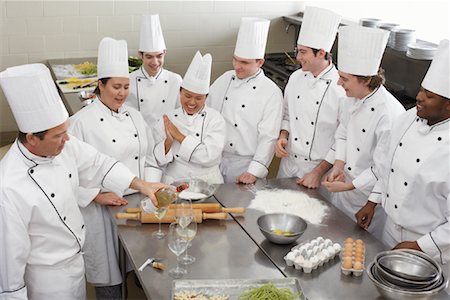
(403,37)
(406,274)
(421,50)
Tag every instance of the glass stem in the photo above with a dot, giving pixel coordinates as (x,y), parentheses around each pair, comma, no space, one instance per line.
(159,230)
(178,265)
(186,252)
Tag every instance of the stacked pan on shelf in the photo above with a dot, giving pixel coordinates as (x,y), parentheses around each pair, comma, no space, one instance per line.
(406,274)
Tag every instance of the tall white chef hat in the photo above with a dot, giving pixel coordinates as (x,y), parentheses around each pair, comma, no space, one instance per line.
(437,79)
(33,98)
(198,74)
(361,49)
(112,58)
(152,39)
(252,38)
(319,28)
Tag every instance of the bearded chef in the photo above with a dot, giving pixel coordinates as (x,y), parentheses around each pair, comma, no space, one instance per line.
(363,136)
(313,103)
(153,89)
(414,189)
(119,131)
(252,107)
(42,230)
(192,136)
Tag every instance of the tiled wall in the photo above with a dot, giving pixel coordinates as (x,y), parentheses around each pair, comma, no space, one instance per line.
(33,31)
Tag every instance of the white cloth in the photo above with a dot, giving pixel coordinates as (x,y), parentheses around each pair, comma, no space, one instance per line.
(252,38)
(198,74)
(151,36)
(125,137)
(199,155)
(154,96)
(112,58)
(37,107)
(40,223)
(313,108)
(437,79)
(319,28)
(362,141)
(360,49)
(252,109)
(415,184)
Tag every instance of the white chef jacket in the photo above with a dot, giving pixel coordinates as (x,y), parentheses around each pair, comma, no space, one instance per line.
(41,227)
(313,108)
(415,187)
(252,109)
(362,142)
(126,137)
(154,96)
(200,153)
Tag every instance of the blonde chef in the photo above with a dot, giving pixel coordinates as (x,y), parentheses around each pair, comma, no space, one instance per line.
(251,104)
(41,228)
(153,89)
(414,189)
(313,102)
(362,139)
(120,132)
(192,137)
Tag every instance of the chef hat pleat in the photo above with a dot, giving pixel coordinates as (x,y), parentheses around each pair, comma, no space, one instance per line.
(112,58)
(151,35)
(252,38)
(198,75)
(33,98)
(437,79)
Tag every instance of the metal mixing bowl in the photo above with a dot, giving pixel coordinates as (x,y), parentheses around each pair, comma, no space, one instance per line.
(293,224)
(197,186)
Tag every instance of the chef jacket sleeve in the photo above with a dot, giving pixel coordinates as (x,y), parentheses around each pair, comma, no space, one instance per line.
(132,100)
(14,246)
(268,131)
(152,172)
(437,242)
(340,136)
(205,150)
(285,124)
(342,119)
(159,150)
(367,178)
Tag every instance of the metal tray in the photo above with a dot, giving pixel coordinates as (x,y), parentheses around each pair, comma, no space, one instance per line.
(232,287)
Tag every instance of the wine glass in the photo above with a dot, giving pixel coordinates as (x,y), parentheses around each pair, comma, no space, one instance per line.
(183,212)
(188,233)
(177,244)
(165,197)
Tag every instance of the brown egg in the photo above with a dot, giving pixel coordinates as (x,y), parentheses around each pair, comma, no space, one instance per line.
(348,247)
(347,264)
(359,251)
(359,259)
(358,241)
(348,240)
(357,265)
(347,252)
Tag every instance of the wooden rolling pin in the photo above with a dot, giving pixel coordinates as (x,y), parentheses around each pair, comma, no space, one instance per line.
(170,216)
(205,207)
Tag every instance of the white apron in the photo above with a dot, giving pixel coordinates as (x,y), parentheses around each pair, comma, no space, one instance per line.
(233,165)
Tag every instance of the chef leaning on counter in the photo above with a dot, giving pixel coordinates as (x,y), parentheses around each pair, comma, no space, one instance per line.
(363,136)
(192,136)
(119,131)
(251,104)
(153,89)
(42,230)
(313,102)
(414,188)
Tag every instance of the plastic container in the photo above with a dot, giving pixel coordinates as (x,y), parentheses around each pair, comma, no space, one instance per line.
(353,253)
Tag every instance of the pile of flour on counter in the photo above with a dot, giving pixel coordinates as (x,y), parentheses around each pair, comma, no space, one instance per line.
(292,202)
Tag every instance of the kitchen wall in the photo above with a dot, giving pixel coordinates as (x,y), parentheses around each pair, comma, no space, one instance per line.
(34,31)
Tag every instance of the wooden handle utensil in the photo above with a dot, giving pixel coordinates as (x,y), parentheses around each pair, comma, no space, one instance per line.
(170,216)
(205,207)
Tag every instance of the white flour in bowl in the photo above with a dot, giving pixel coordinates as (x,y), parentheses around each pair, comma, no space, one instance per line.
(292,202)
(191,195)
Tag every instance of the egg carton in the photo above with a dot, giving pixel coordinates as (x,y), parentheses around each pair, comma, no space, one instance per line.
(310,255)
(353,271)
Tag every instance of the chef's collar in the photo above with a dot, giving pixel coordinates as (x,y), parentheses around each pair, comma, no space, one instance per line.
(424,128)
(312,80)
(200,112)
(239,82)
(152,79)
(33,159)
(369,97)
(104,108)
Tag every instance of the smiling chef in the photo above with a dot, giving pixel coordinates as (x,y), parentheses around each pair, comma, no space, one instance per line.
(192,137)
(252,107)
(153,89)
(414,189)
(42,231)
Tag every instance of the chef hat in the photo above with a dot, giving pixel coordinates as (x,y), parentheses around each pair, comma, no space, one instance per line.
(252,38)
(318,28)
(437,79)
(112,58)
(152,39)
(33,98)
(198,74)
(360,49)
